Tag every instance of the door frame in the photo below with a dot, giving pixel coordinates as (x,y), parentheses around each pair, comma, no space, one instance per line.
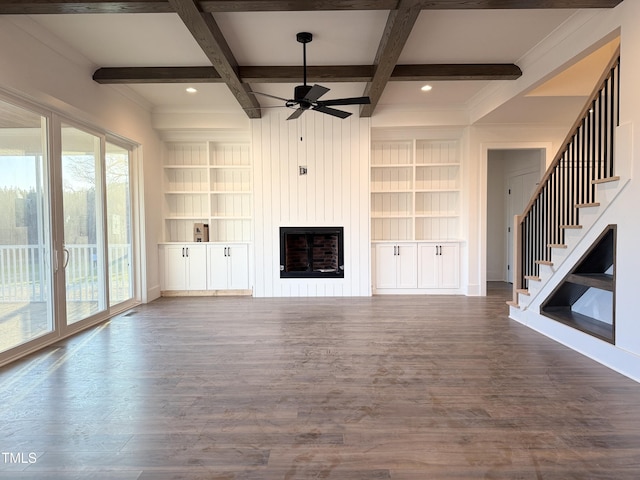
(481,211)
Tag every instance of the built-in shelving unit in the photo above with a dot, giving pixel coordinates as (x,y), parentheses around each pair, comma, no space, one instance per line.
(415,190)
(207,182)
(415,216)
(585,298)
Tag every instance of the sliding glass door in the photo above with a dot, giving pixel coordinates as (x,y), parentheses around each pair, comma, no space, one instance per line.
(120,248)
(84,246)
(66,243)
(26,307)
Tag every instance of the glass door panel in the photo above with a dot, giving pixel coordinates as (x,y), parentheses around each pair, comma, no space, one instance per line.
(83,224)
(26,310)
(118,224)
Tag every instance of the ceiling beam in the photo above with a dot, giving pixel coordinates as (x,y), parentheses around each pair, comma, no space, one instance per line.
(454,71)
(206,32)
(400,22)
(302,5)
(35,7)
(293,74)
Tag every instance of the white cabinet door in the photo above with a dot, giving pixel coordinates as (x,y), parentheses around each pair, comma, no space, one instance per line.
(184,267)
(428,265)
(174,274)
(196,260)
(228,267)
(450,265)
(406,265)
(238,266)
(396,265)
(385,265)
(439,265)
(218,267)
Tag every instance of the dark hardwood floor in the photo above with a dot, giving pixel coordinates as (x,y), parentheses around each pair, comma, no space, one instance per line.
(389,387)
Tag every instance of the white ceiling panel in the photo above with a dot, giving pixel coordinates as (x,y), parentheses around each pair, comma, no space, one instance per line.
(478,36)
(269,38)
(134,40)
(455,94)
(213,96)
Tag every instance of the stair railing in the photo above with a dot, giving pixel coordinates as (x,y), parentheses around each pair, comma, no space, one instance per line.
(586,156)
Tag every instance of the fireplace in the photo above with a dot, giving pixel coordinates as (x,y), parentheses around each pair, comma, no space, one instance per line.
(311,252)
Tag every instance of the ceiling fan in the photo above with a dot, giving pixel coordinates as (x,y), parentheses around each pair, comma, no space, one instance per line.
(306,97)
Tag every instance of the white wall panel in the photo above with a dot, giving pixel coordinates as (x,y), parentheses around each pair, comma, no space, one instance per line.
(334,192)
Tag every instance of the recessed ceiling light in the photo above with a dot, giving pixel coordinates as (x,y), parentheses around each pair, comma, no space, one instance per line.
(426,88)
(191,90)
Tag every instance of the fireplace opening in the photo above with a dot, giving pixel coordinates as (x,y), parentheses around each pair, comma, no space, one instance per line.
(311,252)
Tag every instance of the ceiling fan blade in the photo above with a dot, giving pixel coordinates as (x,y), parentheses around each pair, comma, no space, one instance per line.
(296,114)
(315,93)
(332,111)
(346,101)
(270,96)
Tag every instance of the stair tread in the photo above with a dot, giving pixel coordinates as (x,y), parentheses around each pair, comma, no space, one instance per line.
(544,262)
(570,227)
(605,180)
(511,303)
(532,277)
(523,291)
(557,245)
(587,205)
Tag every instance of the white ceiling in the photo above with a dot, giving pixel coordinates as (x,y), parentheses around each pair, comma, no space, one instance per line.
(340,38)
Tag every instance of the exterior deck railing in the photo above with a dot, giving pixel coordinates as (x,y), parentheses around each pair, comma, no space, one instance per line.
(23,277)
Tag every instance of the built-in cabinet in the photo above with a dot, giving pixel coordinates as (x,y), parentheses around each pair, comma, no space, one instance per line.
(396,265)
(416,267)
(206,182)
(439,265)
(415,215)
(183,267)
(228,266)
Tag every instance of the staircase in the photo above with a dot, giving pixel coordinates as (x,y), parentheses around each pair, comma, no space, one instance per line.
(563,218)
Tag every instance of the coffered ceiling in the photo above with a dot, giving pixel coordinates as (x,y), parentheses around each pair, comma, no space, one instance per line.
(386,49)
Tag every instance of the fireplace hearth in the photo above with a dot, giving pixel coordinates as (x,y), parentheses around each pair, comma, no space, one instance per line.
(311,252)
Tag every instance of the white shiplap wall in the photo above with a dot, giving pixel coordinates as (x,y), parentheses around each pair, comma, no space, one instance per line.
(335,192)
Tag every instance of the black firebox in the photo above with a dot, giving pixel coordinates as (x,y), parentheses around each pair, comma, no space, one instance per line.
(311,252)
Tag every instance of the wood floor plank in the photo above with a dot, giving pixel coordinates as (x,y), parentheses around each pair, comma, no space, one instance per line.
(382,388)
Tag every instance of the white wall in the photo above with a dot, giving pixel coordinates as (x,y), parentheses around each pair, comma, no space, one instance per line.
(335,192)
(36,66)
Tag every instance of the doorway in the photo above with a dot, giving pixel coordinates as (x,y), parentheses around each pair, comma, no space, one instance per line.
(512,177)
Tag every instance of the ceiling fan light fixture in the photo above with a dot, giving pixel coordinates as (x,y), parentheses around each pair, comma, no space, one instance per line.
(307,97)
(191,90)
(426,88)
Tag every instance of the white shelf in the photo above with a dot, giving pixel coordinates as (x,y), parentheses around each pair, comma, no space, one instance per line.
(437,164)
(231,167)
(408,165)
(415,190)
(207,182)
(185,167)
(436,190)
